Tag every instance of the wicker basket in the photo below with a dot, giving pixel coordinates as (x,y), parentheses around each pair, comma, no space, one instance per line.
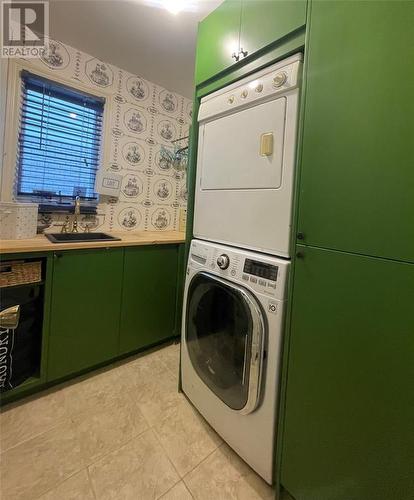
(20,273)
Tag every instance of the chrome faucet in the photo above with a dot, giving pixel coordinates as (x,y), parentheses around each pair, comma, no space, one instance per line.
(75,215)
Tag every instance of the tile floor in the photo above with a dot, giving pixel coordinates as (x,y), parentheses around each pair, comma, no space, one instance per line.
(123,432)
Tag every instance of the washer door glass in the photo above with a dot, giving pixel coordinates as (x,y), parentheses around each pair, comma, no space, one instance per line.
(224,339)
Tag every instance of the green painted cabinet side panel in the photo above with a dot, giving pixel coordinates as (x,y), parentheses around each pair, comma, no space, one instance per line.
(265,21)
(357,167)
(148,296)
(86,298)
(218,38)
(349,417)
(181,267)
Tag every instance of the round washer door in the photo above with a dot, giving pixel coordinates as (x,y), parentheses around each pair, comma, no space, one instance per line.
(225,333)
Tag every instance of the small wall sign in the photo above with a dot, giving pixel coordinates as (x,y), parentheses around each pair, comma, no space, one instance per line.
(108,183)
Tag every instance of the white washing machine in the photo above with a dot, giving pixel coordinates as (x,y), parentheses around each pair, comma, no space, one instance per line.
(246,160)
(234,302)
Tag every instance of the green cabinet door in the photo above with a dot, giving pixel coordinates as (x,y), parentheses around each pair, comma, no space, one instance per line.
(357,182)
(349,414)
(148,296)
(85,309)
(218,38)
(265,21)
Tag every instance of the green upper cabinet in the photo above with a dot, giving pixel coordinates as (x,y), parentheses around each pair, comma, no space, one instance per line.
(357,182)
(85,309)
(247,25)
(349,418)
(265,21)
(218,38)
(148,296)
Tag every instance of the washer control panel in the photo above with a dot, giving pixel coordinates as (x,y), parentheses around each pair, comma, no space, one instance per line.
(262,273)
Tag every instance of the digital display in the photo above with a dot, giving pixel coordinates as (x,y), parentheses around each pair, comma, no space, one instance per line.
(261,269)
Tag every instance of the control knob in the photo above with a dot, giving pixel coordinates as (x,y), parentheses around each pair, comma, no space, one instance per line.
(279,79)
(223,261)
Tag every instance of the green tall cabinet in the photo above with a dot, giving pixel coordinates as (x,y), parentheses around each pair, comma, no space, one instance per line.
(85,309)
(349,416)
(348,420)
(357,185)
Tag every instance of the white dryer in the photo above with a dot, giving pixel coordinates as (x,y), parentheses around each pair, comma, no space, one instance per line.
(246,160)
(234,302)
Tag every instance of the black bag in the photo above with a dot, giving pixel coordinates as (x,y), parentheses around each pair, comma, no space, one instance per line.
(20,349)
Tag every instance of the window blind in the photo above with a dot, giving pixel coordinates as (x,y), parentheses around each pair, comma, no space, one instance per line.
(59,142)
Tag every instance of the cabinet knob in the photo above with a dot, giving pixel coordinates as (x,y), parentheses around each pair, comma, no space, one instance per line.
(57,255)
(301,236)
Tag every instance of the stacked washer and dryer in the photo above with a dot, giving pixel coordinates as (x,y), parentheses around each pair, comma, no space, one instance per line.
(238,264)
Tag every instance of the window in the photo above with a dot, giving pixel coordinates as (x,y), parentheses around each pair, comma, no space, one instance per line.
(59,142)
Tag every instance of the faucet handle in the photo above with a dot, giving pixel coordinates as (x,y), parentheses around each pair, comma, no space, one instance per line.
(65,226)
(77,205)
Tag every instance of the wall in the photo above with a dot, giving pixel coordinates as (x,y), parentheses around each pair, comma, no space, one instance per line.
(144,118)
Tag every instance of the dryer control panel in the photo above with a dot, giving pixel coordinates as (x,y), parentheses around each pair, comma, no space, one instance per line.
(262,273)
(269,83)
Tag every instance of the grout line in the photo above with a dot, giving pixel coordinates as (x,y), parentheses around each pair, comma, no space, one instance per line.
(179,474)
(57,424)
(202,461)
(178,482)
(91,484)
(188,489)
(117,448)
(169,489)
(59,483)
(165,452)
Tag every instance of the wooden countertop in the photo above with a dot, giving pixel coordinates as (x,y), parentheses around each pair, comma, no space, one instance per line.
(41,244)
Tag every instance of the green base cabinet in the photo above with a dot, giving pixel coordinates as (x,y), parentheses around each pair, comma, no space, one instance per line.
(349,411)
(148,296)
(265,21)
(357,183)
(85,309)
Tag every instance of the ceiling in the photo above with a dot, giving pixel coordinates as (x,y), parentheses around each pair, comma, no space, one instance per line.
(139,36)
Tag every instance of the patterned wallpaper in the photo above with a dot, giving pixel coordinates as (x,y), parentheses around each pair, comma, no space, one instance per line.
(145,119)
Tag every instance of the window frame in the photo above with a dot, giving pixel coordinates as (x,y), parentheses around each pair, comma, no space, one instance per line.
(13,103)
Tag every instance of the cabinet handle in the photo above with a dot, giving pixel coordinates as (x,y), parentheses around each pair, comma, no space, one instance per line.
(235,56)
(242,53)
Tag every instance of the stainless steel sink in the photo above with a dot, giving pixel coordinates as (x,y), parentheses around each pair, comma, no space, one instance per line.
(79,237)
